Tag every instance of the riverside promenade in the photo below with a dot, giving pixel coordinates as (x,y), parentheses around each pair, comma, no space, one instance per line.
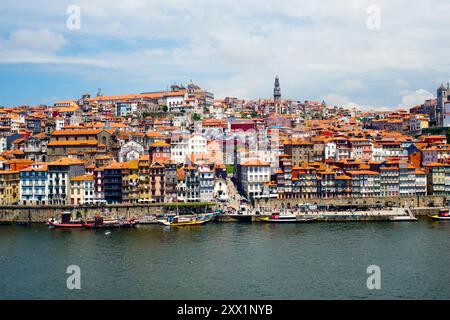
(340,216)
(359,209)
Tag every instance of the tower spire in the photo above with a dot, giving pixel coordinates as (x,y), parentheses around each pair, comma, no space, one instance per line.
(277,90)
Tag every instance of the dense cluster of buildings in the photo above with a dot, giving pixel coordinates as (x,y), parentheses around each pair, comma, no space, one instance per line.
(182,145)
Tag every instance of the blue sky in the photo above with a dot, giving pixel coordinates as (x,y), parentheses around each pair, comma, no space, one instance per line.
(320,50)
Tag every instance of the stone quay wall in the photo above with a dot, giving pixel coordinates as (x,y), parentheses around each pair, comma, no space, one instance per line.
(413,202)
(22,213)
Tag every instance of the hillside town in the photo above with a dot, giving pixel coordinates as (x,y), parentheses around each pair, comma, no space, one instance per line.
(183,145)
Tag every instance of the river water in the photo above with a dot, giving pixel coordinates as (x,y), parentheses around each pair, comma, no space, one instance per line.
(229,261)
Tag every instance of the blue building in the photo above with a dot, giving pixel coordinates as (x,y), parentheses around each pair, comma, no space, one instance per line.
(33,185)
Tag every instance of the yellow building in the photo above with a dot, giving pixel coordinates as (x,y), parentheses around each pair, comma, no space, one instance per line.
(130,183)
(144,186)
(82,190)
(9,187)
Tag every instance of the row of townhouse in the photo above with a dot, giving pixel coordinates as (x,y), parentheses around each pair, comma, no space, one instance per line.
(69,181)
(340,148)
(314,180)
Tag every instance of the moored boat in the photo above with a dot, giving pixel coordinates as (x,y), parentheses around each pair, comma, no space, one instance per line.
(100,223)
(179,221)
(286,218)
(66,221)
(442,215)
(403,218)
(405,214)
(152,219)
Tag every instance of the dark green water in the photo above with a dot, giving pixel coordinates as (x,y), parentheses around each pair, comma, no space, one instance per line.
(229,261)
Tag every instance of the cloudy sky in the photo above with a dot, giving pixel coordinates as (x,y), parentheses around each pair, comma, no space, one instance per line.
(331,50)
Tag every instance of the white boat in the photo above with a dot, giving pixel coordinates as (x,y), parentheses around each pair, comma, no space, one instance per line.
(179,221)
(286,218)
(152,219)
(403,218)
(408,216)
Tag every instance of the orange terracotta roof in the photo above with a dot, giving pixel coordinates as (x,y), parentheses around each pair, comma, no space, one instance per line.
(118,165)
(343,177)
(363,172)
(86,177)
(67,161)
(19,161)
(437,164)
(80,143)
(76,132)
(154,134)
(160,144)
(40,168)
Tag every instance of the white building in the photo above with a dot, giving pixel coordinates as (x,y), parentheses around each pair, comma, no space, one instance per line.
(179,149)
(330,150)
(197,145)
(3,144)
(126,108)
(59,123)
(421,183)
(15,126)
(407,179)
(253,175)
(130,150)
(377,152)
(206,177)
(221,189)
(174,101)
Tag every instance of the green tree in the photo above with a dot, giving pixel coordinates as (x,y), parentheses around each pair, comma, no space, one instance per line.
(196,117)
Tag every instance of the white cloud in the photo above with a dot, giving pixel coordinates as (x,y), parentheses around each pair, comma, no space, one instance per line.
(236,48)
(413,98)
(333,99)
(40,40)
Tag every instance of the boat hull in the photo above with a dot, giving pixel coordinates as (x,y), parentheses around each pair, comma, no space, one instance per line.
(436,217)
(406,218)
(184,223)
(290,220)
(66,225)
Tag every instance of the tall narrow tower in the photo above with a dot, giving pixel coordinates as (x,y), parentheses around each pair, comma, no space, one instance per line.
(277,90)
(442,97)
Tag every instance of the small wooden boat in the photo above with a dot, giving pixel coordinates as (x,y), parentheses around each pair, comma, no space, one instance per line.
(72,224)
(442,215)
(66,221)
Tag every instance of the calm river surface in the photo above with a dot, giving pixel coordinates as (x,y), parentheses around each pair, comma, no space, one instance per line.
(229,261)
